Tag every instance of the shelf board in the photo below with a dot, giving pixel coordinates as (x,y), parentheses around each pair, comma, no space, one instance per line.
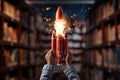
(76,33)
(76,62)
(75,48)
(45,33)
(12,45)
(109,18)
(81,41)
(17,46)
(78,54)
(11,20)
(45,40)
(49,47)
(15,68)
(109,45)
(105,69)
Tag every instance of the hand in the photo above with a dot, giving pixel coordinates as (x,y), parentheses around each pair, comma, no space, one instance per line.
(68,59)
(49,57)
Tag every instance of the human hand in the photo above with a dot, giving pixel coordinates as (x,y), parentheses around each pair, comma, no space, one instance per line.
(68,59)
(49,57)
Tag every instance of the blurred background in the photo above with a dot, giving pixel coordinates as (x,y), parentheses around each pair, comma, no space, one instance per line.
(93,37)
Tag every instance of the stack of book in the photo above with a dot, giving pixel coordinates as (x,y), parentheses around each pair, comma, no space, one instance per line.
(24,38)
(11,11)
(11,57)
(10,34)
(97,37)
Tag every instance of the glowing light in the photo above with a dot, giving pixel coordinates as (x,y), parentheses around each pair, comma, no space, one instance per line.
(47,8)
(60,26)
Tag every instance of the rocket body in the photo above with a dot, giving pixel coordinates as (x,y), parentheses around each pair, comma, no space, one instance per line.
(59,41)
(53,43)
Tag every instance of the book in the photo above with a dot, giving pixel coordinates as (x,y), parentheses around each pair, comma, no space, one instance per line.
(0,5)
(9,34)
(32,39)
(10,58)
(24,38)
(17,15)
(110,58)
(32,22)
(32,57)
(21,57)
(118,57)
(97,37)
(105,57)
(108,9)
(39,20)
(8,9)
(93,57)
(111,33)
(25,19)
(118,31)
(98,58)
(98,74)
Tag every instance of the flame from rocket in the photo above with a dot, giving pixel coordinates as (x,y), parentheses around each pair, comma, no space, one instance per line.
(60,21)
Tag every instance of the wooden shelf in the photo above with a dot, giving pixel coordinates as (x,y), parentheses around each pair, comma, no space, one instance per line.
(46,40)
(75,48)
(10,19)
(17,46)
(14,68)
(105,69)
(77,54)
(104,21)
(18,8)
(76,62)
(105,45)
(81,41)
(93,28)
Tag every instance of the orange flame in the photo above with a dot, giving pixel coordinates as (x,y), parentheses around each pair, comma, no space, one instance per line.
(60,22)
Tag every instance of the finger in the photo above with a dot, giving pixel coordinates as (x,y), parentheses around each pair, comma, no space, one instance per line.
(48,53)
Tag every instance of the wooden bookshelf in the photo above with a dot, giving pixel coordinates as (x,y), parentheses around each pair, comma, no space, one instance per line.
(102,52)
(18,39)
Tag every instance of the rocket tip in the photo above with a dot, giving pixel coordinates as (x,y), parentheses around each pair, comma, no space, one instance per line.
(59,13)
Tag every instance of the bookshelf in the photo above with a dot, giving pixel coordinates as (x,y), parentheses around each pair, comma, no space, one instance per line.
(19,41)
(101,58)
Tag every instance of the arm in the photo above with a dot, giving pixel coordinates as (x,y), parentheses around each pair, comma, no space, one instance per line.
(70,70)
(71,73)
(46,72)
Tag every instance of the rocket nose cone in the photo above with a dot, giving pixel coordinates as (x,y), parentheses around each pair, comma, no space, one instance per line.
(59,13)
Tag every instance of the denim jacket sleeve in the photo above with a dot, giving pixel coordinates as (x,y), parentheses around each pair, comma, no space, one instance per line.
(46,72)
(71,73)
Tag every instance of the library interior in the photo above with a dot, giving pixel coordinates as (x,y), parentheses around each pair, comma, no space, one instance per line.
(88,30)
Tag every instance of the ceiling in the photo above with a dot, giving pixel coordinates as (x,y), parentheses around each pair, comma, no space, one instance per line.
(72,8)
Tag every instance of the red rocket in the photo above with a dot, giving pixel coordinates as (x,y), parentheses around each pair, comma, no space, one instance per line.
(59,13)
(59,43)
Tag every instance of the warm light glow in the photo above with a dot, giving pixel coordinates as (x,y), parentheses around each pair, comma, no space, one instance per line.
(60,26)
(47,8)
